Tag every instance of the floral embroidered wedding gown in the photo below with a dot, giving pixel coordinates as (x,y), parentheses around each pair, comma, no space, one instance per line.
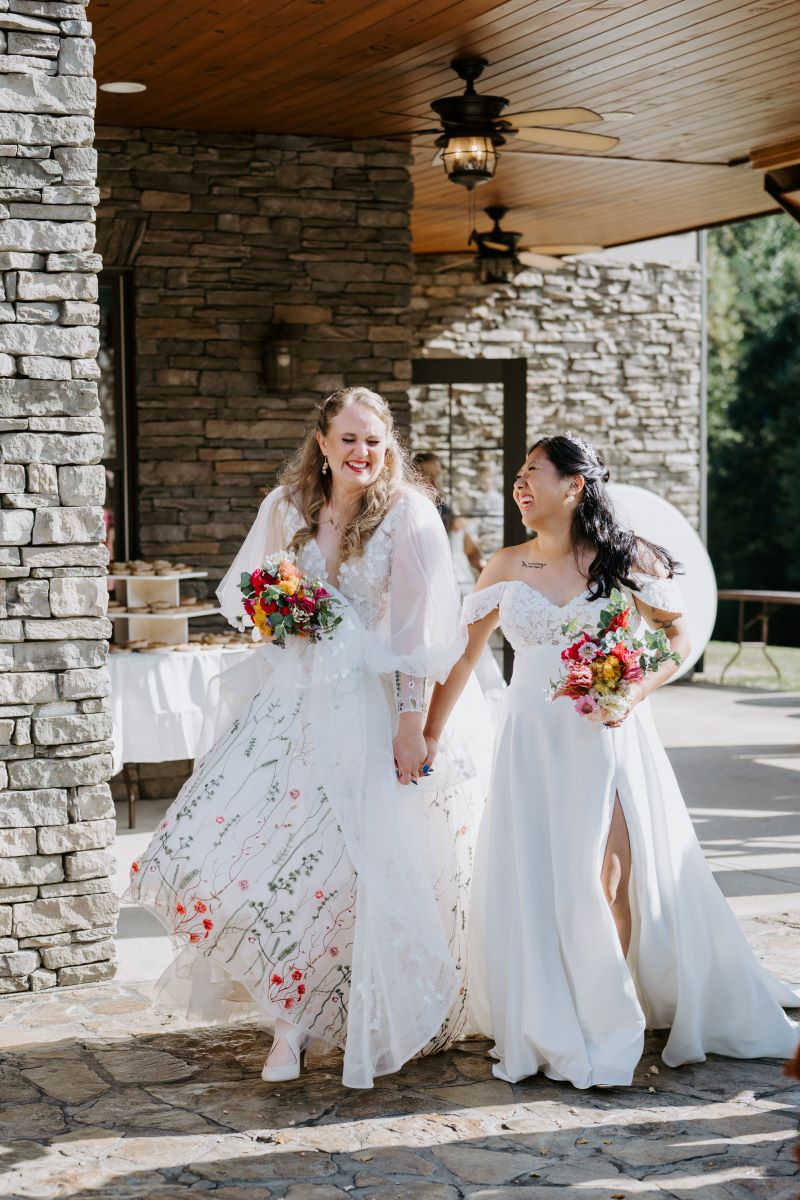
(549,981)
(293,869)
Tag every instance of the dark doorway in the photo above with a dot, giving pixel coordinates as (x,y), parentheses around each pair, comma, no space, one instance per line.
(118,410)
(479,439)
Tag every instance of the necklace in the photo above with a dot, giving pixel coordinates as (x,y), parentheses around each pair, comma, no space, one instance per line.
(333,520)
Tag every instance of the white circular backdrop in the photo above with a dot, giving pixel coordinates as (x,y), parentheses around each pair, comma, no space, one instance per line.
(654,518)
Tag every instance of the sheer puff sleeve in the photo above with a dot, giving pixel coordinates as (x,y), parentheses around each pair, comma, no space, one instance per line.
(421,633)
(267,535)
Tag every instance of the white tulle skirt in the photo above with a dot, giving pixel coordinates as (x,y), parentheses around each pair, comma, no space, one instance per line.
(300,881)
(550,983)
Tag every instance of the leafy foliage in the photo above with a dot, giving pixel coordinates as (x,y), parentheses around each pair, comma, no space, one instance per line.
(754,409)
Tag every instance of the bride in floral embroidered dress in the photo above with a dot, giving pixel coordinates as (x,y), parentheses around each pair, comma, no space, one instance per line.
(296,867)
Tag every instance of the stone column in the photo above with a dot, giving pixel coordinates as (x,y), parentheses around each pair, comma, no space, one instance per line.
(57,909)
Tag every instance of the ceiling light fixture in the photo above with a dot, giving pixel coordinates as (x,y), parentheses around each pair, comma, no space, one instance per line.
(123,87)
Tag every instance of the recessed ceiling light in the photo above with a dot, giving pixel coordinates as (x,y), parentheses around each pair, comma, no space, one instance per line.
(123,86)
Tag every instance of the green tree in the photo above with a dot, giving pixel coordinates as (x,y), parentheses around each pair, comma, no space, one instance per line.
(754,406)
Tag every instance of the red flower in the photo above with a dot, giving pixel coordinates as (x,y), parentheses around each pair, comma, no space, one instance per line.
(199,907)
(220,820)
(207,923)
(249,607)
(285,610)
(277,980)
(297,975)
(301,989)
(321,594)
(620,621)
(194,937)
(134,867)
(334,950)
(318,895)
(571,653)
(270,608)
(288,1003)
(180,909)
(257,580)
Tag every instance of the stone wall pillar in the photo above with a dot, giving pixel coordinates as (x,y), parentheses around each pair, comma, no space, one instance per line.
(57,909)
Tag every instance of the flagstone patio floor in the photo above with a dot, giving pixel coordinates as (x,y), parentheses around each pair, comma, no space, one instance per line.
(103,1096)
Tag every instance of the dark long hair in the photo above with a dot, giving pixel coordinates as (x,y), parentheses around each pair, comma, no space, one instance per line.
(619,552)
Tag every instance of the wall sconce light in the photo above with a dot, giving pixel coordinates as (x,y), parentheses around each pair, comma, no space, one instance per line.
(280,364)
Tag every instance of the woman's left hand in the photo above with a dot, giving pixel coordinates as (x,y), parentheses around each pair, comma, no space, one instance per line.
(410,752)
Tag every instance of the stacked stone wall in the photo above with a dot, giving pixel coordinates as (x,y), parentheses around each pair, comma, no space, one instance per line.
(613,352)
(57,910)
(227,234)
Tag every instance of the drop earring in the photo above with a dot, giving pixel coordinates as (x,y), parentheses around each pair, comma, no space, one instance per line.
(324,466)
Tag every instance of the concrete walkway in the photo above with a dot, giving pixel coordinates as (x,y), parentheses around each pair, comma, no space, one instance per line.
(101,1096)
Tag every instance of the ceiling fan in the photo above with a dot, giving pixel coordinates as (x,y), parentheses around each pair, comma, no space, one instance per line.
(473,127)
(499,256)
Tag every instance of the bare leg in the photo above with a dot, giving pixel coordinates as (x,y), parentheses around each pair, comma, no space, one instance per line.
(615,875)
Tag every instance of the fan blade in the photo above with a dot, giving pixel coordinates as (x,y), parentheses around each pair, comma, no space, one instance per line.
(564,156)
(569,138)
(453,266)
(545,261)
(553,116)
(497,246)
(437,158)
(560,251)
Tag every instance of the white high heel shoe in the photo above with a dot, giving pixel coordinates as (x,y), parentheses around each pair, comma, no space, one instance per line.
(292,1039)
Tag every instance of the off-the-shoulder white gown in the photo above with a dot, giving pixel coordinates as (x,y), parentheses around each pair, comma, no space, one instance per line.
(550,983)
(293,869)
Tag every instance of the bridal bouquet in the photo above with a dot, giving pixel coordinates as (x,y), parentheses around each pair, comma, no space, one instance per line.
(280,601)
(602,666)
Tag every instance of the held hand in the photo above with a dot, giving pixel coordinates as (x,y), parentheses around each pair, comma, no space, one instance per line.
(409,753)
(432,744)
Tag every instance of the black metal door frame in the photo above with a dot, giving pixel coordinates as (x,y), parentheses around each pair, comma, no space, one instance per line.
(512,374)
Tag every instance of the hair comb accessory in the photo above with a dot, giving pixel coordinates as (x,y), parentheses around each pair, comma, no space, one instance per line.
(587,448)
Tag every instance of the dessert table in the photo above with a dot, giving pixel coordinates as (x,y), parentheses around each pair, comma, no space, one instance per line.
(158,703)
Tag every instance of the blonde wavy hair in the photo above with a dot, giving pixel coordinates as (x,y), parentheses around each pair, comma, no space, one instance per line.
(310,489)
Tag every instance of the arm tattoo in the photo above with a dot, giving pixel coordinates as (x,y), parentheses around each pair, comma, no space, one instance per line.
(537,566)
(665,623)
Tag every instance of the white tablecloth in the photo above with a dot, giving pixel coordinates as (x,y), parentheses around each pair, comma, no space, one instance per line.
(158,701)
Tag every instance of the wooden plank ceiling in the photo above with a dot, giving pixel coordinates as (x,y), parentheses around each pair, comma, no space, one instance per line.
(706,80)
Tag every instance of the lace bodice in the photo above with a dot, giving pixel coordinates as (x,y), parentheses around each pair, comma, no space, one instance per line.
(528,618)
(363,581)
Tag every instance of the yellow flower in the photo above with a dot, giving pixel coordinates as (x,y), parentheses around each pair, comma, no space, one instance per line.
(289,586)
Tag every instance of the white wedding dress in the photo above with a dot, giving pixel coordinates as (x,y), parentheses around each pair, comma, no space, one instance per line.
(549,982)
(293,870)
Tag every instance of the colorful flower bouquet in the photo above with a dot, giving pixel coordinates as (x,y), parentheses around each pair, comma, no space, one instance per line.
(602,666)
(280,601)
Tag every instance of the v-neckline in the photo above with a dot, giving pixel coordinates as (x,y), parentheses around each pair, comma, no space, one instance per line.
(584,595)
(329,577)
